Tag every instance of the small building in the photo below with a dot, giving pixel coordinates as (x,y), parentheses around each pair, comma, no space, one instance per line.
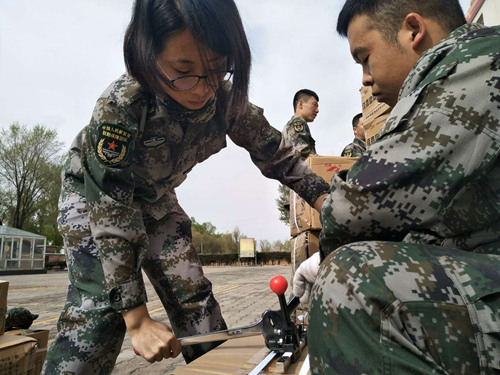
(21,251)
(486,12)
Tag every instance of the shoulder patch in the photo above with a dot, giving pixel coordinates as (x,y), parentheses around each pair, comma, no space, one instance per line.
(113,143)
(298,126)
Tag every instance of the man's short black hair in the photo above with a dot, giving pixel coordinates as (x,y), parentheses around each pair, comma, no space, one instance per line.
(355,120)
(387,16)
(303,94)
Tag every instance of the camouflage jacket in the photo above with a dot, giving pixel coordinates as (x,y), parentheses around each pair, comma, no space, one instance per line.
(136,151)
(297,132)
(354,149)
(433,176)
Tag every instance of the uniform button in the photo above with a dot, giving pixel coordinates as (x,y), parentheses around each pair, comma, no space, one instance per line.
(115,296)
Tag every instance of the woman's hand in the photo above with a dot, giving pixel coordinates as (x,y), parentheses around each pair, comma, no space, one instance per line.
(151,339)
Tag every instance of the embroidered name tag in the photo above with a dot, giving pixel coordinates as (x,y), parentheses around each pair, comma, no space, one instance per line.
(154,141)
(113,143)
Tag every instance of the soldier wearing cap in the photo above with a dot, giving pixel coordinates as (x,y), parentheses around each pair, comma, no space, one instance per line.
(410,281)
(296,131)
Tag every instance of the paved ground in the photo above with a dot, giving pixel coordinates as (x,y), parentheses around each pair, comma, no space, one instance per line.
(242,292)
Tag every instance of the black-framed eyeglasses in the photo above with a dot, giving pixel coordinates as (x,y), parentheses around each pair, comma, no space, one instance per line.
(187,82)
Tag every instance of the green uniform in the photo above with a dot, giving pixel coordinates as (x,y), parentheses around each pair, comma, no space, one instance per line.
(119,215)
(297,132)
(421,293)
(354,149)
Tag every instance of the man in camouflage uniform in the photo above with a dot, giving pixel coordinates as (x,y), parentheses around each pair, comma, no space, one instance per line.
(296,131)
(357,147)
(119,215)
(421,292)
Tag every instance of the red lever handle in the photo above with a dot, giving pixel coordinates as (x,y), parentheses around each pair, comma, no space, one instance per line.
(278,285)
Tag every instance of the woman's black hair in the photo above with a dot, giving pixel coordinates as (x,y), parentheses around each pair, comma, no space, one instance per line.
(216,24)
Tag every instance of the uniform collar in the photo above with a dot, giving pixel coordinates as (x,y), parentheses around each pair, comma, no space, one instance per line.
(432,57)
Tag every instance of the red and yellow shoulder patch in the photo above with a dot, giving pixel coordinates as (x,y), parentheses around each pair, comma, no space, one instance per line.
(113,143)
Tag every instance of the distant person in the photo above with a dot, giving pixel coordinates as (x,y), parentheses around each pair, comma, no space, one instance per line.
(119,214)
(306,108)
(358,146)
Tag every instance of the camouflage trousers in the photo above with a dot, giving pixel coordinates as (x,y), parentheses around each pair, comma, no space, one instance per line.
(399,308)
(90,332)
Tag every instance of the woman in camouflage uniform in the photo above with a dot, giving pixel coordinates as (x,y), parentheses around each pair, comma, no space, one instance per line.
(118,209)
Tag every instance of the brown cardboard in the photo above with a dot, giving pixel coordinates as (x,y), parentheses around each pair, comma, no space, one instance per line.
(38,360)
(371,107)
(237,356)
(303,246)
(302,216)
(17,355)
(4,290)
(373,128)
(41,335)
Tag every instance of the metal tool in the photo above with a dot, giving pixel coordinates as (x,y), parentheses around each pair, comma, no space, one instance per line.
(273,325)
(281,336)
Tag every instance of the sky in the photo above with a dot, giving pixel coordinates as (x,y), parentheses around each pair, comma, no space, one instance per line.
(58,56)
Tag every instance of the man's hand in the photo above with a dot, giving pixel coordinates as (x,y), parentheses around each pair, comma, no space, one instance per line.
(304,277)
(319,202)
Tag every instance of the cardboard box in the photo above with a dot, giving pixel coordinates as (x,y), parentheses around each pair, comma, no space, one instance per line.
(4,290)
(371,107)
(17,355)
(302,216)
(303,246)
(41,335)
(42,338)
(38,361)
(373,128)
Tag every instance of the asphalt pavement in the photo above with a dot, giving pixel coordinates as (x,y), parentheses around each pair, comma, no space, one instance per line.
(242,292)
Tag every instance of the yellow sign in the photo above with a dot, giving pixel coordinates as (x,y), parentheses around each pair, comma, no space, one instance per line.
(247,248)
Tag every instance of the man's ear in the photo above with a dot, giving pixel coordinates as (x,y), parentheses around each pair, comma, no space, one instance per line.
(414,30)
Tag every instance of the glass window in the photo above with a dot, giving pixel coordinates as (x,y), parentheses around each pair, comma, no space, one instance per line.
(15,249)
(39,246)
(27,245)
(11,264)
(37,264)
(7,247)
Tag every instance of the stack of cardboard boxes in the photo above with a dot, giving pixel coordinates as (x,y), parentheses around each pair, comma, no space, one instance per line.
(305,224)
(374,114)
(22,352)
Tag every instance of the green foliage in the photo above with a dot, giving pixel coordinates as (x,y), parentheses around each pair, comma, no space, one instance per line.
(30,180)
(206,240)
(283,203)
(30,168)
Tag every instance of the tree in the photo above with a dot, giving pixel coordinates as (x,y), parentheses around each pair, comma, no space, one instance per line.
(29,160)
(265,246)
(283,203)
(281,246)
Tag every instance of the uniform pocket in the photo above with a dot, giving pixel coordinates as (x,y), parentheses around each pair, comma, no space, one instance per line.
(482,296)
(486,313)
